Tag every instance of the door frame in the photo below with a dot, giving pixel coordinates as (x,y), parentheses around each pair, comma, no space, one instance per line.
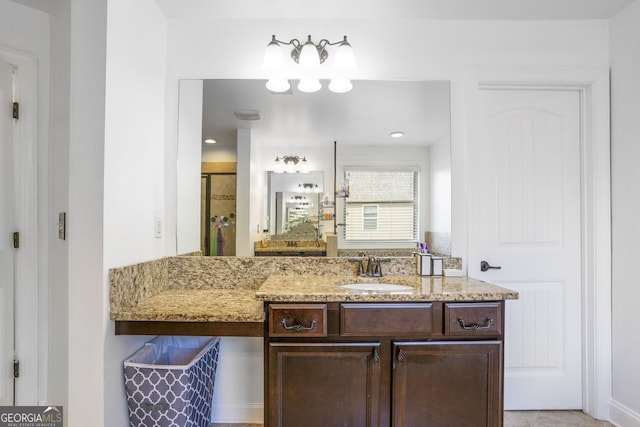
(592,84)
(31,310)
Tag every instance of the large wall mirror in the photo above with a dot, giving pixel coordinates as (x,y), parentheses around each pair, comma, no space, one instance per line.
(307,124)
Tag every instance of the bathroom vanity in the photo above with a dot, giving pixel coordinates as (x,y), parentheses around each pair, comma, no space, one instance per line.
(429,355)
(399,350)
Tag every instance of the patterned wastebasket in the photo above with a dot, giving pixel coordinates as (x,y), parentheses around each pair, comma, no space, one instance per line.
(169,382)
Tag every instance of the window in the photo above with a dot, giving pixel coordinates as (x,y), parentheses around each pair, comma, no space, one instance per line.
(382,205)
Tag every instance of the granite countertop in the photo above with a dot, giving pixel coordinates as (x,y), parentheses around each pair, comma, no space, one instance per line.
(229,305)
(225,290)
(327,288)
(196,305)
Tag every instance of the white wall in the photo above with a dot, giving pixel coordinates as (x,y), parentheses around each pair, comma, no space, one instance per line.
(625,176)
(134,171)
(85,234)
(58,197)
(440,186)
(219,154)
(188,183)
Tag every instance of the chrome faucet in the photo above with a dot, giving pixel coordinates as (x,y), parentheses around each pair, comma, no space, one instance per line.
(373,267)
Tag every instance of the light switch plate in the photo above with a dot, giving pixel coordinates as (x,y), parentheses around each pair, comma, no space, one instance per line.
(158,227)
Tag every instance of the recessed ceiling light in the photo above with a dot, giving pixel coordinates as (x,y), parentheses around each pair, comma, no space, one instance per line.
(397,134)
(210,141)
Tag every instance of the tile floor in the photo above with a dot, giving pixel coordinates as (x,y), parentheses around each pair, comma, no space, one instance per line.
(520,419)
(550,418)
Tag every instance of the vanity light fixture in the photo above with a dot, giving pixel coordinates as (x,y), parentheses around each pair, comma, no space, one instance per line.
(210,141)
(308,187)
(396,134)
(308,57)
(291,164)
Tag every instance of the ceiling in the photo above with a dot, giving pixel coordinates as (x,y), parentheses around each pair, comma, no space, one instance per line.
(364,116)
(397,9)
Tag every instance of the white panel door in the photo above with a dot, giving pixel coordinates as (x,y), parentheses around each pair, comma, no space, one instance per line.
(525,217)
(6,232)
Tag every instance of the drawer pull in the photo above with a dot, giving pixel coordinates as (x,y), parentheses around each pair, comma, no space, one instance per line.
(298,327)
(475,326)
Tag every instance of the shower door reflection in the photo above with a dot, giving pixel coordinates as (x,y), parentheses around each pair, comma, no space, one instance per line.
(218,214)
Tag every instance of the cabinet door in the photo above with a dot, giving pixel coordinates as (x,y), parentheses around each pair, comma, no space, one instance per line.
(323,384)
(447,384)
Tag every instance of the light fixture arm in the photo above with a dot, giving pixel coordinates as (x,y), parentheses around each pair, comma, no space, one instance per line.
(323,54)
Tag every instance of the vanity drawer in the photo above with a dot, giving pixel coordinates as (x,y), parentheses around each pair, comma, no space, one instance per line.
(386,319)
(308,320)
(473,319)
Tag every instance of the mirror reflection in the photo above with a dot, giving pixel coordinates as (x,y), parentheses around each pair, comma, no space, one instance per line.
(365,123)
(294,202)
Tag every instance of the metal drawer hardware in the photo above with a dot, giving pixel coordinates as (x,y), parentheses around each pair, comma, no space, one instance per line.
(399,358)
(298,327)
(474,326)
(376,355)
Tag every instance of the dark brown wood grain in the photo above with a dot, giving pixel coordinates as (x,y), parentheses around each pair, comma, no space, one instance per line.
(225,329)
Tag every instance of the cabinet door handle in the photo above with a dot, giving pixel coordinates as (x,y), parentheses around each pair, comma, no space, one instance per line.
(399,357)
(376,355)
(298,327)
(474,326)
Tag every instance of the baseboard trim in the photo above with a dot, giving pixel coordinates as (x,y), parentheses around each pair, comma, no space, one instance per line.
(245,413)
(623,416)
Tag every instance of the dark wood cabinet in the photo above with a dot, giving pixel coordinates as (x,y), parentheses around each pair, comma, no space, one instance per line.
(447,383)
(384,364)
(324,384)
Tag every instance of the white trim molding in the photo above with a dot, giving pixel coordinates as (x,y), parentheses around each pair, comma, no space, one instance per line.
(593,87)
(624,416)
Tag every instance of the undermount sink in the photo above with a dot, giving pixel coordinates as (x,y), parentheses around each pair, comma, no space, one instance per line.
(378,287)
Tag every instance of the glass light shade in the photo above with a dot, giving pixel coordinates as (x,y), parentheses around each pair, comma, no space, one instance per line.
(273,57)
(309,57)
(278,167)
(278,85)
(344,59)
(309,85)
(290,167)
(340,85)
(304,166)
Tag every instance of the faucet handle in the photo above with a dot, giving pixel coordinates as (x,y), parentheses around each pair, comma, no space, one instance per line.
(377,269)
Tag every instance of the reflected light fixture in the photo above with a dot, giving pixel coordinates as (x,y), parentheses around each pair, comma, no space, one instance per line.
(308,187)
(308,57)
(291,164)
(209,141)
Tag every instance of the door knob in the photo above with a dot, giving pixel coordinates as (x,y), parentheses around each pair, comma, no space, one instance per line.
(484,266)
